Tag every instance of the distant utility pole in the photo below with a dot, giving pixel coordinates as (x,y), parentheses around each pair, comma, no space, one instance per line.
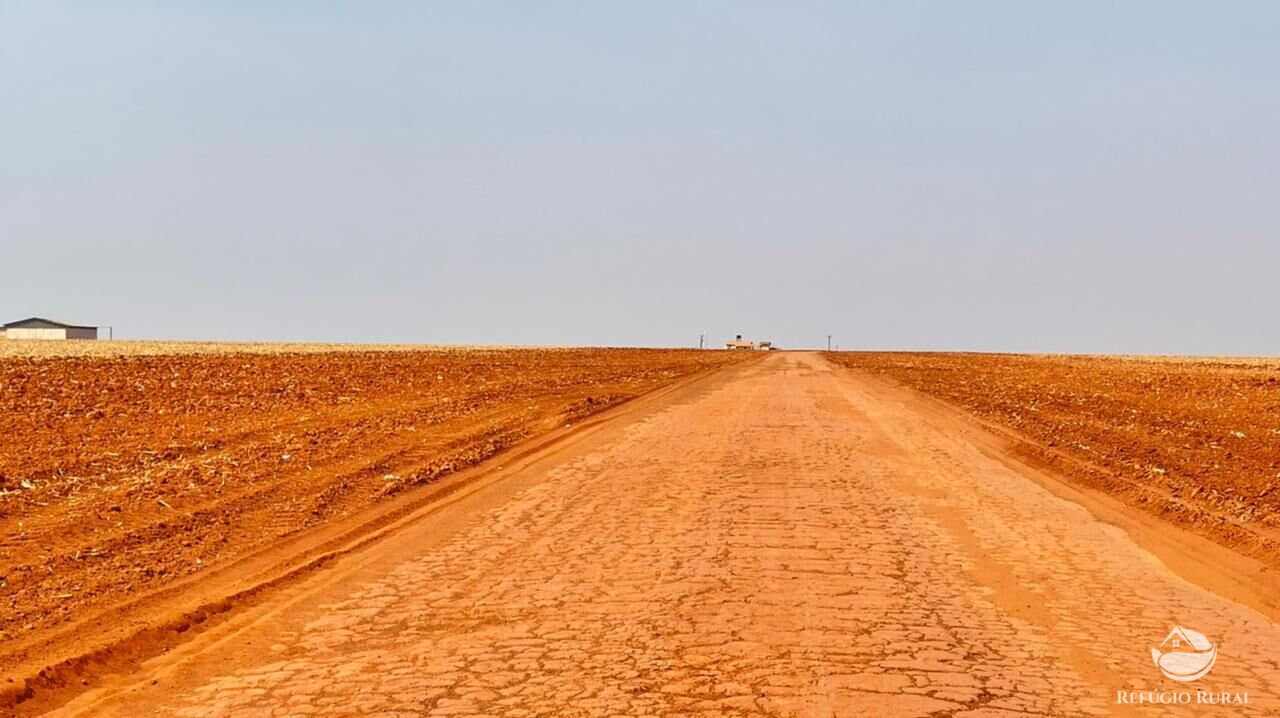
(828,342)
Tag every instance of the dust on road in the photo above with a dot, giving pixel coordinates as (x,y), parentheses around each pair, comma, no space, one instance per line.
(795,541)
(122,476)
(1192,440)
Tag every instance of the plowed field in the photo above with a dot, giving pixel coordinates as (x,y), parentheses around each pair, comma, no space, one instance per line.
(777,539)
(1194,440)
(123,472)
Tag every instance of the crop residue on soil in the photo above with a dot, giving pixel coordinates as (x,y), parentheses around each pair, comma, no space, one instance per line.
(1194,440)
(123,472)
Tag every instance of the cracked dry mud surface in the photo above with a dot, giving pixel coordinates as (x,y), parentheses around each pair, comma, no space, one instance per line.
(794,541)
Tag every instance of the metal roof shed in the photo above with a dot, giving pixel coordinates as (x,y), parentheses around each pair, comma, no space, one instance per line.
(41,328)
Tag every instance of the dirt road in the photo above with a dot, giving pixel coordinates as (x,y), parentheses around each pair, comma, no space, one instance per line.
(783,539)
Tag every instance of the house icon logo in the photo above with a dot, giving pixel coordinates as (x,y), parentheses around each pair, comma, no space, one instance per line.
(1185,655)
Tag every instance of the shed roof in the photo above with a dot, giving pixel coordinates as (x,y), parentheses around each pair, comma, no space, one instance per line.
(41,322)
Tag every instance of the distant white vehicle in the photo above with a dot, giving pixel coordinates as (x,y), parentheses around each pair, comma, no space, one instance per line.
(740,343)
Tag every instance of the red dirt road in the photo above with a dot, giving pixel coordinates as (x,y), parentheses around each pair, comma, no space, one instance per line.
(123,476)
(1193,440)
(783,538)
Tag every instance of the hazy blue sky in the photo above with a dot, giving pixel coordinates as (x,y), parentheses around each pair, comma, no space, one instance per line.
(1067,176)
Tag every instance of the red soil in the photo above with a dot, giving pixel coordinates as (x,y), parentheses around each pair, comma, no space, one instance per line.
(122,474)
(1193,440)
